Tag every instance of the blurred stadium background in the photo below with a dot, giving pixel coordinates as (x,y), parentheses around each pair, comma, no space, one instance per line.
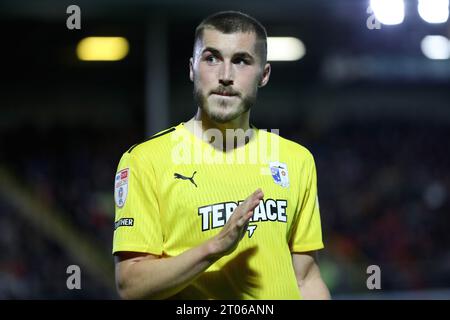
(368,102)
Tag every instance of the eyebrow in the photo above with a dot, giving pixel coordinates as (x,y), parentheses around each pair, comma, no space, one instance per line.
(240,54)
(212,50)
(244,55)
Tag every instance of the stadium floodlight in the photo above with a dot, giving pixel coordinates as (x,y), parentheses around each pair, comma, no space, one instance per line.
(436,47)
(102,49)
(285,49)
(433,11)
(388,12)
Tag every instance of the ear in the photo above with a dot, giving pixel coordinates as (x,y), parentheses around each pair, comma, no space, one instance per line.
(191,69)
(265,76)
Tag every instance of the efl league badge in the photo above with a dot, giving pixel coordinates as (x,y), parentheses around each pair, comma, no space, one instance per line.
(121,187)
(280,173)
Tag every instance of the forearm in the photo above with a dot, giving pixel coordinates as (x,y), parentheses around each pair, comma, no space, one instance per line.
(162,278)
(309,279)
(313,288)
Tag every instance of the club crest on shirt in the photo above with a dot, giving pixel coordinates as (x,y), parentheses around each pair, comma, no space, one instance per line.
(279,173)
(121,187)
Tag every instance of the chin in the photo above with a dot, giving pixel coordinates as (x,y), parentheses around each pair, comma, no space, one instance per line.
(221,117)
(224,114)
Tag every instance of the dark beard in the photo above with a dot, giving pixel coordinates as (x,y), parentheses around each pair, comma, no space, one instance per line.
(201,102)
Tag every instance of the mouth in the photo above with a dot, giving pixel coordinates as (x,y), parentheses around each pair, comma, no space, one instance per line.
(224,93)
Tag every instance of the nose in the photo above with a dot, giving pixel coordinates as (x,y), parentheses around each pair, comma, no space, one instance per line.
(226,74)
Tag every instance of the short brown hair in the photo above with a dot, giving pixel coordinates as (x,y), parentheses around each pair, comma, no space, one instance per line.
(231,22)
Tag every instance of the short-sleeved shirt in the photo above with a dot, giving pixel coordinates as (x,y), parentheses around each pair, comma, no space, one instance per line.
(175,191)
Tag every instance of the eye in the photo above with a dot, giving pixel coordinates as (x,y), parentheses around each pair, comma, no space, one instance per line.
(241,61)
(211,59)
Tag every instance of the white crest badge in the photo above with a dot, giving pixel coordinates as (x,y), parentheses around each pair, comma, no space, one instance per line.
(279,173)
(121,187)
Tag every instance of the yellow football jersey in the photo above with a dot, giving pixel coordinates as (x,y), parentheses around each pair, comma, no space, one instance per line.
(175,191)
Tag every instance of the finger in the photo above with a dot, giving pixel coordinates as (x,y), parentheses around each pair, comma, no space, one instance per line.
(241,221)
(253,205)
(246,216)
(254,198)
(247,210)
(258,192)
(249,204)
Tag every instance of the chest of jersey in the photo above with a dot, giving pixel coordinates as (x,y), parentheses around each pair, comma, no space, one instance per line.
(203,197)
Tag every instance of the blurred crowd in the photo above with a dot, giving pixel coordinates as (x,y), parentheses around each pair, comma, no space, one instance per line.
(71,172)
(383,192)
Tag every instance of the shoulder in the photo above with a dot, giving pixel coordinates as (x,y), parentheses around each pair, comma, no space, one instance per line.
(287,146)
(147,152)
(153,144)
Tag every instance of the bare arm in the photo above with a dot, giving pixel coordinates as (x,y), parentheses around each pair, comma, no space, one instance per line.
(141,276)
(308,276)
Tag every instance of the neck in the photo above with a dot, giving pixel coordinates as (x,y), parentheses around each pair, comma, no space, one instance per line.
(201,124)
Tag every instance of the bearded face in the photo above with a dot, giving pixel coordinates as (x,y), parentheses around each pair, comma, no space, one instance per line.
(226,71)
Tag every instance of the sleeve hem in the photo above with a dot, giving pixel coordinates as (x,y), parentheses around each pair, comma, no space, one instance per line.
(307,247)
(137,248)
